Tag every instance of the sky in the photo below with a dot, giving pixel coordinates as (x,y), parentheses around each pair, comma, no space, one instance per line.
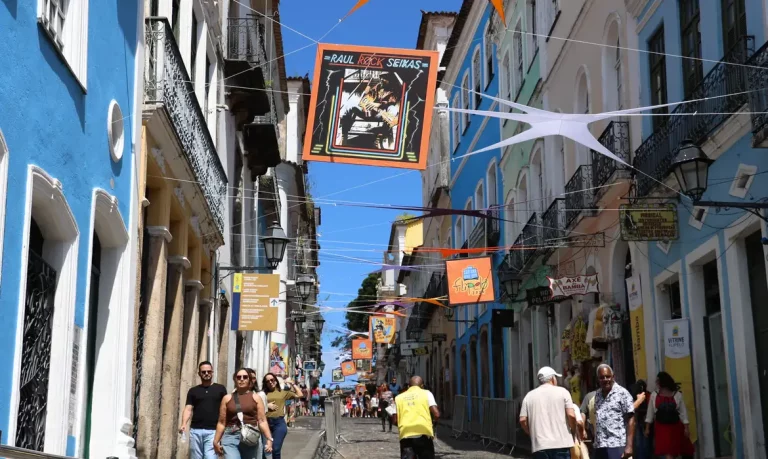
(352,231)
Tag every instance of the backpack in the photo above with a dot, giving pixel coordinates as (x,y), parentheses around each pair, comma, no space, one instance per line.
(666,410)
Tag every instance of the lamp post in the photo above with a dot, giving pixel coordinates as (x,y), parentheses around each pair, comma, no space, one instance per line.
(448,312)
(510,282)
(304,285)
(275,244)
(691,170)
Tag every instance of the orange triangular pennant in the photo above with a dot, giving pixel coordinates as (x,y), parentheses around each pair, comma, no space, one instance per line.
(499,5)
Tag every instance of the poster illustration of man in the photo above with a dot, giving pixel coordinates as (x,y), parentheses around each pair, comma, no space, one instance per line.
(370,109)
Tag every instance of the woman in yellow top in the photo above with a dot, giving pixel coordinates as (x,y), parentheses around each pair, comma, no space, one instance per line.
(276,398)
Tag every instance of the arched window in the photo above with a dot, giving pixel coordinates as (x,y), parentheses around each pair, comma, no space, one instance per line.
(506,81)
(488,46)
(477,77)
(519,62)
(537,182)
(493,199)
(456,122)
(612,69)
(509,218)
(465,101)
(467,220)
(533,39)
(521,209)
(479,199)
(459,237)
(582,106)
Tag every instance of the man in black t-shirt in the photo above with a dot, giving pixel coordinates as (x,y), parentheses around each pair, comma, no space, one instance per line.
(202,406)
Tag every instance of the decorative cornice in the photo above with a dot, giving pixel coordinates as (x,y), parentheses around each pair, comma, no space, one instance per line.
(194,284)
(180,260)
(160,231)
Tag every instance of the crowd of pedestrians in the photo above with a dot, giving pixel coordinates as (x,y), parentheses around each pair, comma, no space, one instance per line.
(612,422)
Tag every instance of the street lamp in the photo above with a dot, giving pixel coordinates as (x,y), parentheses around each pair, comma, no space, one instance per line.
(691,169)
(304,285)
(448,312)
(319,322)
(510,282)
(275,244)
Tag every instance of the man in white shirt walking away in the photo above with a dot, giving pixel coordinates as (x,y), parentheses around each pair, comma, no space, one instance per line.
(548,417)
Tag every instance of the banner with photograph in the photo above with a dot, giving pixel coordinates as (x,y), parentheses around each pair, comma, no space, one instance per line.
(677,362)
(470,281)
(383,329)
(348,368)
(278,359)
(337,375)
(371,106)
(637,322)
(362,349)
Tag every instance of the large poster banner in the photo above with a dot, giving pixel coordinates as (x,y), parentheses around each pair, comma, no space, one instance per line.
(637,321)
(278,359)
(337,375)
(677,362)
(470,280)
(348,368)
(383,329)
(371,106)
(255,300)
(362,349)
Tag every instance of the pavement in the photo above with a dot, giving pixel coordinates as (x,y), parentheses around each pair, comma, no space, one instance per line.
(302,439)
(367,441)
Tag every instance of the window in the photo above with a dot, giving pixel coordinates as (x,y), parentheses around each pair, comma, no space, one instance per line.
(745,175)
(698,214)
(734,23)
(175,10)
(456,120)
(467,220)
(479,200)
(691,39)
(492,184)
(208,77)
(488,55)
(476,77)
(194,48)
(658,66)
(66,23)
(519,75)
(506,81)
(533,39)
(509,217)
(465,101)
(459,232)
(619,80)
(582,106)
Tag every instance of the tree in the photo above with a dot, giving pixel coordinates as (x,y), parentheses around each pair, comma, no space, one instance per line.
(356,319)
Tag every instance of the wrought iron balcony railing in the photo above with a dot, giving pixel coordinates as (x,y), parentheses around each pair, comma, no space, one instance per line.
(757,84)
(654,157)
(616,139)
(492,228)
(167,82)
(554,225)
(531,238)
(464,246)
(579,195)
(516,256)
(245,40)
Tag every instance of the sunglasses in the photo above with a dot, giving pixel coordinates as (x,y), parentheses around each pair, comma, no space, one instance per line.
(206,372)
(242,377)
(271,381)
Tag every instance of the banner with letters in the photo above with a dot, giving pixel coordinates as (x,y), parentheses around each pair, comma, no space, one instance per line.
(677,362)
(637,321)
(574,285)
(383,329)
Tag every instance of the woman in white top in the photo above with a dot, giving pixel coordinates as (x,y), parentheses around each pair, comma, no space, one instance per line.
(667,411)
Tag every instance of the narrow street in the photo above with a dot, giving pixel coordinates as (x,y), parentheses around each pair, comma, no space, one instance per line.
(367,441)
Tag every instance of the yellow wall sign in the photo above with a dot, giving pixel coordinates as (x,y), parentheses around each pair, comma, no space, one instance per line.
(648,222)
(256,299)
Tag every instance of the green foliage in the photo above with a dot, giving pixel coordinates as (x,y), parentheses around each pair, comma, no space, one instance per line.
(366,298)
(404,216)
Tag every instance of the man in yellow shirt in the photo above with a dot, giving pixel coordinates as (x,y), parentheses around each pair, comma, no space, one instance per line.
(416,410)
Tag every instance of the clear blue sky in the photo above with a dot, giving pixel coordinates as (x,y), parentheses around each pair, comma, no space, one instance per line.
(389,23)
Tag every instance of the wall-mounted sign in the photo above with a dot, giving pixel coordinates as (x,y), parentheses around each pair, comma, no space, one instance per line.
(575,285)
(541,295)
(362,349)
(439,337)
(648,222)
(371,106)
(310,365)
(298,316)
(470,281)
(256,302)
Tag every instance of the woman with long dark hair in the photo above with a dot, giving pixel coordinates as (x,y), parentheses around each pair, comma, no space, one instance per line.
(228,430)
(666,410)
(385,399)
(276,418)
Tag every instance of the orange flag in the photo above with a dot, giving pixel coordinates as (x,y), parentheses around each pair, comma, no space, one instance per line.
(499,5)
(357,5)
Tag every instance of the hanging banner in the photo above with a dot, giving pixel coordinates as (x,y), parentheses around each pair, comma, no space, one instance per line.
(337,375)
(575,285)
(348,368)
(383,329)
(255,302)
(677,362)
(637,322)
(362,365)
(371,106)
(470,281)
(310,365)
(362,349)
(278,359)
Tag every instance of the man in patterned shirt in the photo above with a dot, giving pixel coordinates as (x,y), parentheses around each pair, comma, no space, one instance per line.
(614,436)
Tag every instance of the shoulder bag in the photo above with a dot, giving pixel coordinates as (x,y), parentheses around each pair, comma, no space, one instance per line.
(249,435)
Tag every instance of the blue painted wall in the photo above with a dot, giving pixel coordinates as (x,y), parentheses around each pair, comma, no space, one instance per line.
(473,172)
(50,121)
(721,172)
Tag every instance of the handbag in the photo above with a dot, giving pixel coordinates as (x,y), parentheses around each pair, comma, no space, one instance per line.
(579,450)
(249,435)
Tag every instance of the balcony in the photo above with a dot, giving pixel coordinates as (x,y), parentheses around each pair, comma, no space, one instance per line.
(245,62)
(531,238)
(168,90)
(492,228)
(554,226)
(464,247)
(757,84)
(655,155)
(579,195)
(423,311)
(476,238)
(605,170)
(261,140)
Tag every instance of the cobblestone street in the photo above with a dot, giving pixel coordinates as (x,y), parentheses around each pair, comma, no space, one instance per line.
(367,441)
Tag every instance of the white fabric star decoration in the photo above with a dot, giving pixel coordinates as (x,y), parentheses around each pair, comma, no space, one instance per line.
(544,123)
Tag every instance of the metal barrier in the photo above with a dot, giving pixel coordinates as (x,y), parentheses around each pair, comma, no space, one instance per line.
(11,452)
(332,418)
(476,417)
(459,415)
(486,421)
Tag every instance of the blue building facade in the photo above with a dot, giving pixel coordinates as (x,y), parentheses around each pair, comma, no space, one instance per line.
(480,368)
(713,276)
(67,129)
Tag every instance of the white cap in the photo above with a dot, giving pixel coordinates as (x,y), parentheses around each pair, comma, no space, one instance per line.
(546,373)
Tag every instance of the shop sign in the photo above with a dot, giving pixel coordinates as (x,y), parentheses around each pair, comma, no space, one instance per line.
(439,337)
(573,285)
(470,281)
(541,295)
(648,222)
